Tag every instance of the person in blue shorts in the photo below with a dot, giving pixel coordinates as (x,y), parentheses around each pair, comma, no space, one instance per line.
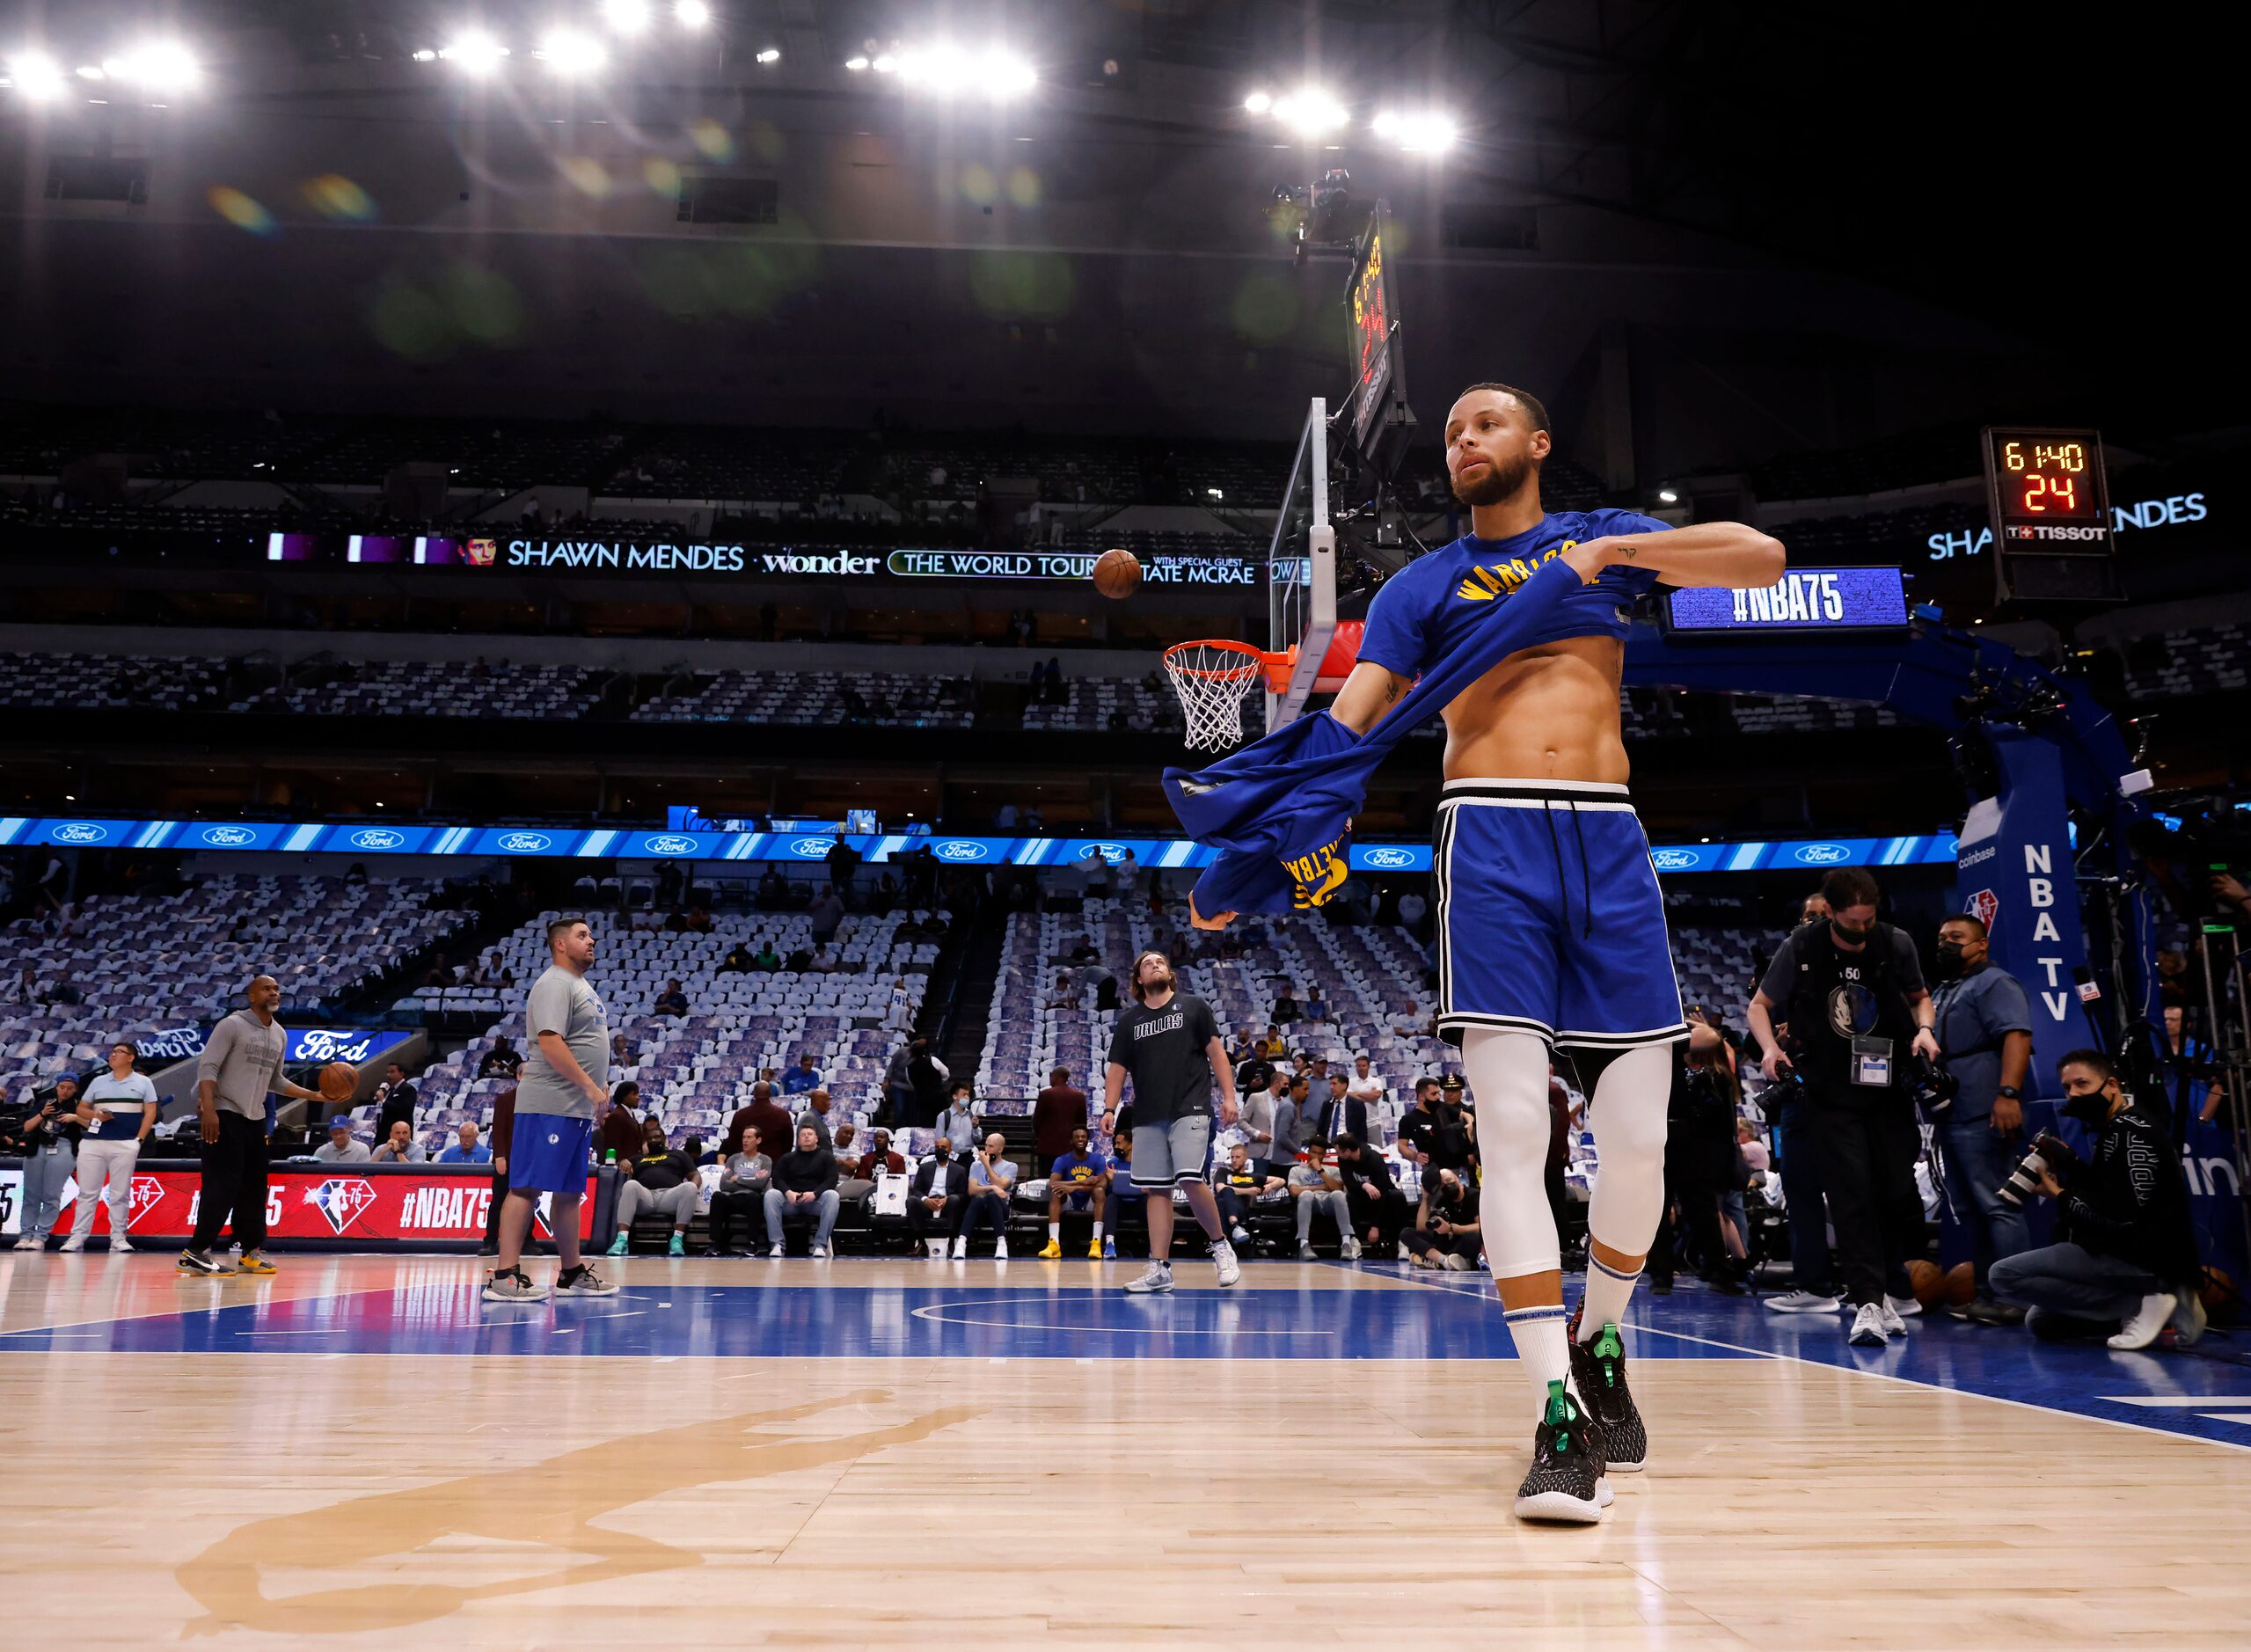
(1082,1178)
(1550,931)
(560,1093)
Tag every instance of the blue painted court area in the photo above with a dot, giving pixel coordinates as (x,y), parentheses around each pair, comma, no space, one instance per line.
(2204,1392)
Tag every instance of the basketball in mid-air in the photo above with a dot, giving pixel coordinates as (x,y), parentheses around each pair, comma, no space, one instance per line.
(338,1080)
(1116,572)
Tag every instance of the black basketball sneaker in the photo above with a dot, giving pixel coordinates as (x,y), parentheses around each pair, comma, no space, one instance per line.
(1598,1368)
(1566,1480)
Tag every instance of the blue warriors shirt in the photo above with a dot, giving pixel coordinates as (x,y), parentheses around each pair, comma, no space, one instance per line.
(1426,610)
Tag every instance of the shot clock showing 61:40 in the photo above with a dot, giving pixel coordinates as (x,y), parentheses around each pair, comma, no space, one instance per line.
(2048,489)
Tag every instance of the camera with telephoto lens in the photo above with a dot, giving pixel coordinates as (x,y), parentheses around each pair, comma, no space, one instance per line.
(2048,1156)
(1935,1089)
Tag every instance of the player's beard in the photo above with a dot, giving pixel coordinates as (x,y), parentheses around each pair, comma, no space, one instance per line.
(1501,479)
(1163,984)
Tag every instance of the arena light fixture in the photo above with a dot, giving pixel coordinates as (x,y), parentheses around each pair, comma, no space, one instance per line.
(475,53)
(692,14)
(856,64)
(1424,131)
(886,64)
(573,53)
(37,76)
(626,16)
(156,66)
(1311,113)
(1259,102)
(770,55)
(949,71)
(1667,496)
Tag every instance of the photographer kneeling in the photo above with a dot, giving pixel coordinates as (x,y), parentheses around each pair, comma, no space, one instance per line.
(2125,1252)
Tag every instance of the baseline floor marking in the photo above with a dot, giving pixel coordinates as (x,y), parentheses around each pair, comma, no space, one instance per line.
(1911,1382)
(931,1313)
(2183,1401)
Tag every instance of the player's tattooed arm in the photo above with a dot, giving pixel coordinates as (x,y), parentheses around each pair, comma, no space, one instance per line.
(1721,553)
(1368,696)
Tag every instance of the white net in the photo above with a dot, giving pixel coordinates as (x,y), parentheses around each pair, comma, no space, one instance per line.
(1212,679)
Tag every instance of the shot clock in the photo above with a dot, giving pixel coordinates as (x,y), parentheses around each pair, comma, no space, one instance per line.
(2048,490)
(2050,504)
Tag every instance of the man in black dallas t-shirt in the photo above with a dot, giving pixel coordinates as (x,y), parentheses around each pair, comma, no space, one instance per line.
(1168,1043)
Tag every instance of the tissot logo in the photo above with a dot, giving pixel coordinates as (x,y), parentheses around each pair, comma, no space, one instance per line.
(1822,854)
(228,837)
(524,843)
(341,1202)
(1387,858)
(960,849)
(1672,860)
(377,838)
(811,848)
(670,845)
(80,831)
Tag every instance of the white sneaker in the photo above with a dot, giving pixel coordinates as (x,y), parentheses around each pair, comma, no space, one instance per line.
(1802,1302)
(775,1254)
(30,1242)
(1000,1250)
(1157,1280)
(120,1245)
(960,1250)
(1893,1324)
(2189,1318)
(1241,1235)
(74,1243)
(2148,1321)
(1905,1307)
(1455,1262)
(1231,1270)
(1351,1251)
(1867,1326)
(1304,1252)
(819,1252)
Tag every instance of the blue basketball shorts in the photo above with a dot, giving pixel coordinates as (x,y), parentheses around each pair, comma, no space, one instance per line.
(1550,920)
(548,1153)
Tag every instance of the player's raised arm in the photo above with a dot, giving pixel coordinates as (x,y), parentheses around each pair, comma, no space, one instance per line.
(1368,694)
(1732,554)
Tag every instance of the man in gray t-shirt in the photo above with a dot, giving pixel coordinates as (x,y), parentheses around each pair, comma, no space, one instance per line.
(561,1091)
(238,1070)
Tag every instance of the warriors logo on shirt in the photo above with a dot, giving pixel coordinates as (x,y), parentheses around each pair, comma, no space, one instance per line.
(1484,584)
(1320,873)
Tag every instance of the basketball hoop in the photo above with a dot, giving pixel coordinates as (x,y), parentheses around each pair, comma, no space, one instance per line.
(1212,678)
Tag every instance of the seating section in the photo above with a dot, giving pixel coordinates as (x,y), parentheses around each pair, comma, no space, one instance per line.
(433,688)
(147,963)
(2183,663)
(111,681)
(1938,455)
(1094,704)
(695,1071)
(883,699)
(1372,974)
(1901,536)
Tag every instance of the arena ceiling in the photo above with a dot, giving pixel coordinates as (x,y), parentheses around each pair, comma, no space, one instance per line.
(1797,225)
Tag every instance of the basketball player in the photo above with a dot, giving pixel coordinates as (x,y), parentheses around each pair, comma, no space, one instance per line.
(1169,1042)
(560,1092)
(1551,931)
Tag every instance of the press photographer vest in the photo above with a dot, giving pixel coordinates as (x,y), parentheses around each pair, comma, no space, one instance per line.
(1842,996)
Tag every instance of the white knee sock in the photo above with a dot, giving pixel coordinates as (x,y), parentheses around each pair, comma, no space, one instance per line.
(1627,1115)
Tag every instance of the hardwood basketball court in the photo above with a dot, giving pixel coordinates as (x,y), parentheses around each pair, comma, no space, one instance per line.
(870,1453)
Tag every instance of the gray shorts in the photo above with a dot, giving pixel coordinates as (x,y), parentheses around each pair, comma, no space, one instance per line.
(1171,1155)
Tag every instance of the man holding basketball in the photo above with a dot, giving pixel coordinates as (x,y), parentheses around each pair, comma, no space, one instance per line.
(560,1092)
(1550,927)
(1169,1044)
(239,1068)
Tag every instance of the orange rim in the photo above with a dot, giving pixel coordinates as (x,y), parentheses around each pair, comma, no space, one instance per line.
(1249,662)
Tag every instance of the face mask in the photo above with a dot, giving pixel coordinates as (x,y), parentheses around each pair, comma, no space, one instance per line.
(2091,1109)
(1849,936)
(1949,957)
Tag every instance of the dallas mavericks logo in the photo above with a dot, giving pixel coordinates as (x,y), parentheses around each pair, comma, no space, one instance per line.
(1672,860)
(1385,860)
(670,845)
(811,848)
(340,1203)
(377,838)
(960,849)
(228,837)
(524,843)
(1822,854)
(81,831)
